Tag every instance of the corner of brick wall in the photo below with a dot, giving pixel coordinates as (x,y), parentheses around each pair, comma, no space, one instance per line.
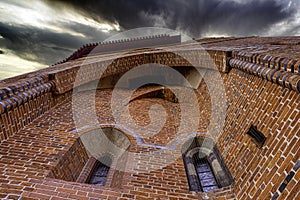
(71,163)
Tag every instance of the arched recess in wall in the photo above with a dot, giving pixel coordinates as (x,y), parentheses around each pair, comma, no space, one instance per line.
(106,148)
(97,157)
(190,78)
(191,74)
(157,92)
(205,168)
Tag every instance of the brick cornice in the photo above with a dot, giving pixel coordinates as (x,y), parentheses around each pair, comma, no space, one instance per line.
(282,71)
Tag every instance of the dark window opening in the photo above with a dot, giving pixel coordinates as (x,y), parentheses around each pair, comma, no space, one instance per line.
(257,137)
(147,80)
(205,168)
(205,174)
(99,174)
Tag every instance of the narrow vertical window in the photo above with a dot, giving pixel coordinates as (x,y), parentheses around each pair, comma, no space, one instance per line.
(205,168)
(99,174)
(205,174)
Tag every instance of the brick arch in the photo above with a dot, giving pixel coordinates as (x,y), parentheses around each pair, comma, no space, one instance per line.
(105,140)
(119,158)
(125,132)
(78,163)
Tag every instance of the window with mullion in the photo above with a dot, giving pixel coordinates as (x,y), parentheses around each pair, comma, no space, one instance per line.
(99,175)
(205,174)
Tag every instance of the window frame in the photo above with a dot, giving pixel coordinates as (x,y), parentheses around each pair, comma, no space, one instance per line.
(206,147)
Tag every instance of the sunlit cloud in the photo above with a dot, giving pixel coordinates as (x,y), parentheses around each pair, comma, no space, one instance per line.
(12,65)
(41,16)
(287,27)
(34,33)
(214,34)
(47,31)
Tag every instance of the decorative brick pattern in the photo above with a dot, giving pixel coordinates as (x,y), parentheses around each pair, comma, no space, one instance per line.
(281,77)
(119,45)
(274,62)
(286,181)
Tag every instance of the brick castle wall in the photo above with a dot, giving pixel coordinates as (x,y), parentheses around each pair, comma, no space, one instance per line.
(275,111)
(262,89)
(75,156)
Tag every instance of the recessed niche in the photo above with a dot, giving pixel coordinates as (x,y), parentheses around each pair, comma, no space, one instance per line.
(98,157)
(205,168)
(257,137)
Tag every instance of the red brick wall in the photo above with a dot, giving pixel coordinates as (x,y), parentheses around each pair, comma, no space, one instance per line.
(15,119)
(71,163)
(258,173)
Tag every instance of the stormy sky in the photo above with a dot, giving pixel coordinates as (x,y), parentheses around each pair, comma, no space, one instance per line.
(38,33)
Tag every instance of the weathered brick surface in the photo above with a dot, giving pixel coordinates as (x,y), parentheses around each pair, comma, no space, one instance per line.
(275,111)
(41,154)
(76,156)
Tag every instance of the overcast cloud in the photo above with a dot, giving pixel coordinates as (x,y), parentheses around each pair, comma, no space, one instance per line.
(37,33)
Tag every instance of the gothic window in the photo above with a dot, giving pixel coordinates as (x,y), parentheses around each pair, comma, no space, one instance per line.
(205,168)
(99,174)
(205,174)
(95,171)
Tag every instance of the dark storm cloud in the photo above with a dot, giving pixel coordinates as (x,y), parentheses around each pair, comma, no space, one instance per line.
(44,46)
(232,18)
(124,12)
(195,17)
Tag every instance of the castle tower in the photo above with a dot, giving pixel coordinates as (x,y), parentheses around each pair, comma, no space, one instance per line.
(154,118)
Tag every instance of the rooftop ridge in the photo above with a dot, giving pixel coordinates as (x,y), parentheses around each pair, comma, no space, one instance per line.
(115,45)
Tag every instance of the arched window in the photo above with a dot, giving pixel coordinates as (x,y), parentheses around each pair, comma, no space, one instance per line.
(205,169)
(106,148)
(205,174)
(99,173)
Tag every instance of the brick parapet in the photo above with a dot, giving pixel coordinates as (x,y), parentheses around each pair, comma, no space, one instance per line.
(283,71)
(23,102)
(270,61)
(15,99)
(280,77)
(65,79)
(123,44)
